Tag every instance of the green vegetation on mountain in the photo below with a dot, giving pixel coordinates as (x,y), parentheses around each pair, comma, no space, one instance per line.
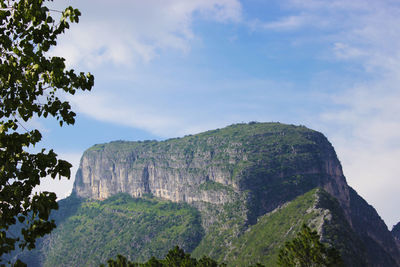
(225,147)
(281,238)
(229,223)
(90,232)
(261,242)
(138,228)
(176,257)
(239,193)
(271,163)
(307,250)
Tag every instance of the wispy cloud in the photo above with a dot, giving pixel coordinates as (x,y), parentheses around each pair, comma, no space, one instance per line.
(109,108)
(360,120)
(188,107)
(355,30)
(364,124)
(285,23)
(131,32)
(365,132)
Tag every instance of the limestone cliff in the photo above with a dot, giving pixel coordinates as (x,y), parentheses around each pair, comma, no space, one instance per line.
(256,159)
(251,169)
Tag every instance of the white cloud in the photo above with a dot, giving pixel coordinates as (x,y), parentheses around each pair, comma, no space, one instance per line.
(365,132)
(364,126)
(360,30)
(286,23)
(178,107)
(128,112)
(344,51)
(128,32)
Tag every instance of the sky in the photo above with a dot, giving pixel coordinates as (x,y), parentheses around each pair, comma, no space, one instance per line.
(167,68)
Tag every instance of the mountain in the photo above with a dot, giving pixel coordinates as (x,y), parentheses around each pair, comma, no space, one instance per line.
(95,230)
(396,234)
(241,192)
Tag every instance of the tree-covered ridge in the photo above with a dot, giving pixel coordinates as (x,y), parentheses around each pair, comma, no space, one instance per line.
(98,230)
(261,242)
(235,147)
(259,148)
(176,257)
(306,249)
(251,185)
(241,133)
(91,232)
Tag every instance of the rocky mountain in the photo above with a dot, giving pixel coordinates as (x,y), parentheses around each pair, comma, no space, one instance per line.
(253,186)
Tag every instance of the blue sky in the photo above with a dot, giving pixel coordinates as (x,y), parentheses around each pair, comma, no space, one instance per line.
(166,68)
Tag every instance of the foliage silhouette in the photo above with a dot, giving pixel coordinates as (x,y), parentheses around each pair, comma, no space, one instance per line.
(176,257)
(31,86)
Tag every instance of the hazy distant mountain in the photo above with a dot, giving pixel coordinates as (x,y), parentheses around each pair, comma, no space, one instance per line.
(237,193)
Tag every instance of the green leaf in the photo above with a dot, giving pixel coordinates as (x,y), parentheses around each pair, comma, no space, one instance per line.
(29,81)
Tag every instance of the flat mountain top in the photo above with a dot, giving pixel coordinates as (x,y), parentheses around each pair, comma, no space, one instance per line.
(234,194)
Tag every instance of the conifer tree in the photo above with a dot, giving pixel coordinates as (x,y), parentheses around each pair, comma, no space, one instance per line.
(306,250)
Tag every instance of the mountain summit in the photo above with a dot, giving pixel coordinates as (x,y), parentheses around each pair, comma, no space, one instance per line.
(252,184)
(266,163)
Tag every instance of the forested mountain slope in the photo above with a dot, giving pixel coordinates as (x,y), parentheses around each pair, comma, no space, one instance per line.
(238,183)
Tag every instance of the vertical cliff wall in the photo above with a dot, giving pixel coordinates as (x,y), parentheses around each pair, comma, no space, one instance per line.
(215,165)
(260,165)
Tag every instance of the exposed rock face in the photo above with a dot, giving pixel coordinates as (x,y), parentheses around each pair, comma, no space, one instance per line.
(183,169)
(264,164)
(151,168)
(376,238)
